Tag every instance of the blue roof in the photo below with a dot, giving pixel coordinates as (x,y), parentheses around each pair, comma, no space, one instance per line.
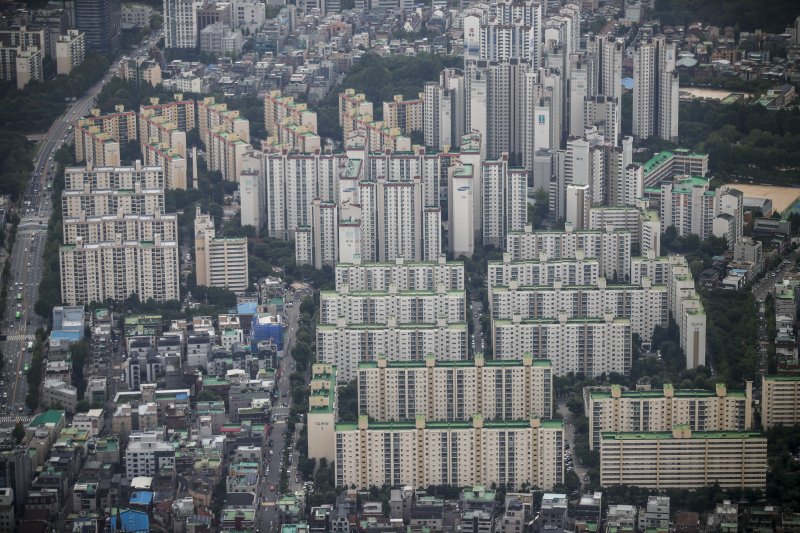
(248,308)
(142,497)
(182,396)
(62,335)
(131,521)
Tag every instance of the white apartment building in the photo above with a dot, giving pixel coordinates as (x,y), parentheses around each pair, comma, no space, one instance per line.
(655,93)
(689,205)
(221,261)
(543,271)
(408,307)
(618,410)
(70,51)
(653,266)
(461,184)
(420,454)
(590,346)
(683,459)
(399,391)
(688,312)
(111,178)
(402,274)
(95,272)
(644,305)
(612,247)
(96,229)
(93,422)
(180,23)
(504,196)
(148,455)
(345,346)
(780,400)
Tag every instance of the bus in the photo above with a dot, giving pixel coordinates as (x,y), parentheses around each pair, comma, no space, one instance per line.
(30,346)
(19,296)
(18,315)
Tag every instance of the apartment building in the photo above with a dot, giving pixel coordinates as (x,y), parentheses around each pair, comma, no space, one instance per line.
(684,459)
(399,391)
(543,272)
(688,204)
(351,103)
(96,177)
(408,307)
(98,137)
(610,246)
(406,115)
(590,346)
(322,412)
(618,410)
(655,95)
(422,453)
(688,312)
(70,51)
(642,223)
(402,274)
(225,152)
(169,158)
(95,272)
(644,305)
(504,193)
(221,261)
(180,23)
(180,112)
(279,109)
(346,345)
(780,400)
(211,114)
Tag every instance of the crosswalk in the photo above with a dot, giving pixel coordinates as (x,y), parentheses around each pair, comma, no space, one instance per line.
(5,420)
(20,337)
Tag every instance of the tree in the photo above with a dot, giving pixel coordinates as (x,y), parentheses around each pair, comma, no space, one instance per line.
(19,432)
(208,396)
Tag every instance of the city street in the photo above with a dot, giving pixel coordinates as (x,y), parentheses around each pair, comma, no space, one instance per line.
(267,518)
(569,434)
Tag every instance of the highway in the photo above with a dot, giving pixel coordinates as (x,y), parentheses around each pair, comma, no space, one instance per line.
(34,210)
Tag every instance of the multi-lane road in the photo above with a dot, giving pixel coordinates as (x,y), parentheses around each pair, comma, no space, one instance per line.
(26,260)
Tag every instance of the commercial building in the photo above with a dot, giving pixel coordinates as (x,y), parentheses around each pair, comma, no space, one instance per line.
(619,410)
(7,522)
(70,51)
(591,346)
(221,261)
(100,20)
(399,391)
(148,455)
(684,459)
(345,346)
(421,453)
(780,400)
(57,394)
(180,23)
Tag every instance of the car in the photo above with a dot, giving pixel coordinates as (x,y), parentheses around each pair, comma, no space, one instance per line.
(272,488)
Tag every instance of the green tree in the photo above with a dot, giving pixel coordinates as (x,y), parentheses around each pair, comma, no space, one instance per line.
(18,432)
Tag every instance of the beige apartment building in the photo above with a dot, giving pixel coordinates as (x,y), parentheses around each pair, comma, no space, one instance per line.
(322,409)
(399,391)
(347,345)
(376,307)
(98,137)
(180,112)
(684,459)
(221,261)
(211,114)
(114,270)
(476,452)
(406,115)
(780,400)
(403,274)
(618,410)
(70,51)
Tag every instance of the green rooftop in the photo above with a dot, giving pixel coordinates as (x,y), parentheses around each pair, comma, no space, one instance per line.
(695,435)
(48,417)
